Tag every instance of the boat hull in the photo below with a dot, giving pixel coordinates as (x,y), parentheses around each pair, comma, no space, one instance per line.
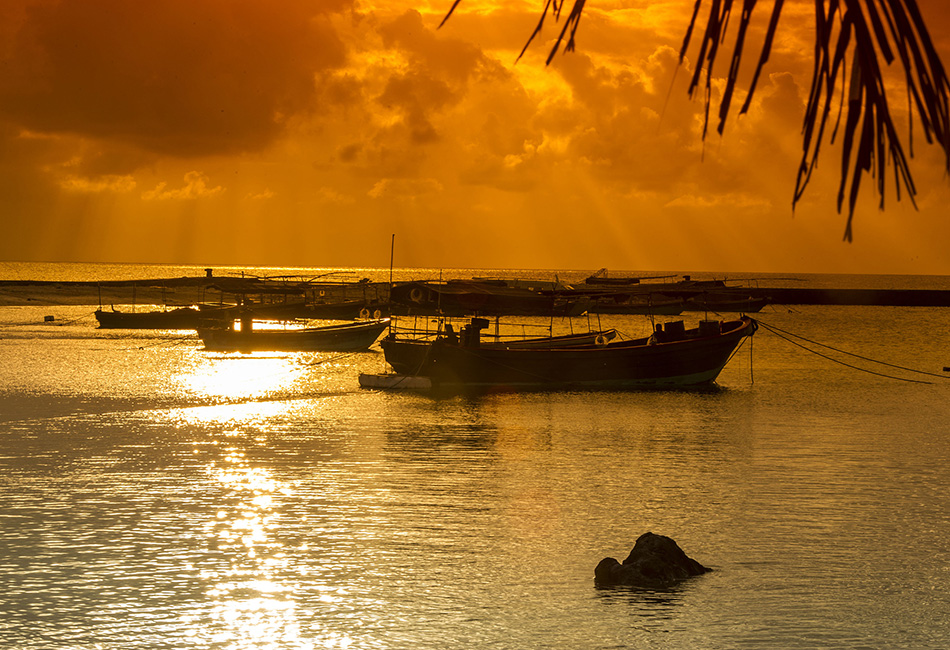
(694,360)
(350,337)
(638,307)
(346,310)
(184,318)
(483,298)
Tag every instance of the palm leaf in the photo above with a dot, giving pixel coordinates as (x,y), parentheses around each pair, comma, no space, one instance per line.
(862,33)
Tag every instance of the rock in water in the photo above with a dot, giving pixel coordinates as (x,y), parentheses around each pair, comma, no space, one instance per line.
(655,562)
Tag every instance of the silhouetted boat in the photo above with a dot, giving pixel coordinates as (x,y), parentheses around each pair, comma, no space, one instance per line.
(599,277)
(345,337)
(671,357)
(599,281)
(593,337)
(342,310)
(725,301)
(182,318)
(483,298)
(644,304)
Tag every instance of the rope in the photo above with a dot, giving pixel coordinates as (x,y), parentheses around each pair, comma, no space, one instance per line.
(784,335)
(76,320)
(53,322)
(751,356)
(750,337)
(328,360)
(177,340)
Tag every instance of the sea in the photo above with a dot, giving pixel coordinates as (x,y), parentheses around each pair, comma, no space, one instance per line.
(155,495)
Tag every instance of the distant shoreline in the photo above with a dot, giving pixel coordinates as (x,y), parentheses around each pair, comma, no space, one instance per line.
(183,291)
(21,293)
(171,292)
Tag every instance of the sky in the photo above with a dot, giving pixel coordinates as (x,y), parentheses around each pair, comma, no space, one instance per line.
(309,132)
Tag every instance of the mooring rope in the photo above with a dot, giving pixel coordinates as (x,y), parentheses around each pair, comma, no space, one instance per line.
(59,323)
(750,337)
(175,340)
(337,357)
(787,336)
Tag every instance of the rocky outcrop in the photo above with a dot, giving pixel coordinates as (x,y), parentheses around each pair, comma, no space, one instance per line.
(655,562)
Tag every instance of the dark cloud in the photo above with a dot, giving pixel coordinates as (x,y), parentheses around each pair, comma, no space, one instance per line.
(622,124)
(416,95)
(180,77)
(440,74)
(454,60)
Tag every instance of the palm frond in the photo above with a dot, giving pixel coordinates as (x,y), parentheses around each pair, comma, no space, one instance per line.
(860,33)
(868,32)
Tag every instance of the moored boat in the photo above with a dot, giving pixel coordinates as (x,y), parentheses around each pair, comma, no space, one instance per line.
(484,298)
(726,302)
(671,357)
(182,318)
(341,310)
(645,304)
(345,337)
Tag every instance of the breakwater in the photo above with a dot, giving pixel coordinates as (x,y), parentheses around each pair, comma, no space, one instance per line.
(188,290)
(880,297)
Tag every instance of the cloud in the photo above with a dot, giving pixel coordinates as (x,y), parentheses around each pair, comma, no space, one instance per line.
(438,75)
(109,183)
(196,187)
(455,60)
(416,95)
(405,188)
(720,201)
(330,196)
(176,77)
(260,196)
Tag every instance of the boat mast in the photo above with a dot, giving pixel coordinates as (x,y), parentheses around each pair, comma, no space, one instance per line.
(392,248)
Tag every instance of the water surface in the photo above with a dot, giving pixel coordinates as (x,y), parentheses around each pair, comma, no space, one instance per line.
(154,495)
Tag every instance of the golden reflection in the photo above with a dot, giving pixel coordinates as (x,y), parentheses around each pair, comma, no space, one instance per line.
(252,601)
(242,388)
(242,376)
(246,413)
(255,584)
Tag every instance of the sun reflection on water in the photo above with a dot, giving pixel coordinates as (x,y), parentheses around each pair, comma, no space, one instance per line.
(251,590)
(234,377)
(238,390)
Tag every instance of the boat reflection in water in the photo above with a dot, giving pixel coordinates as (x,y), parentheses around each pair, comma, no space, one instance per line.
(671,357)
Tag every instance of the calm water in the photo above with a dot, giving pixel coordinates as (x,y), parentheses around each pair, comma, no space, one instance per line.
(154,495)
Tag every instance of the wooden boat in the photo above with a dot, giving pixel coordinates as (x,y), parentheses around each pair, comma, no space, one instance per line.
(599,277)
(726,302)
(671,357)
(346,337)
(599,281)
(645,304)
(342,310)
(447,332)
(484,298)
(597,337)
(183,318)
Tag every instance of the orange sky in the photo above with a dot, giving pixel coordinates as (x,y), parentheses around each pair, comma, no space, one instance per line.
(306,133)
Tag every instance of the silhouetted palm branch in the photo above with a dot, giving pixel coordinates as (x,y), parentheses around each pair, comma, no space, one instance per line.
(864,31)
